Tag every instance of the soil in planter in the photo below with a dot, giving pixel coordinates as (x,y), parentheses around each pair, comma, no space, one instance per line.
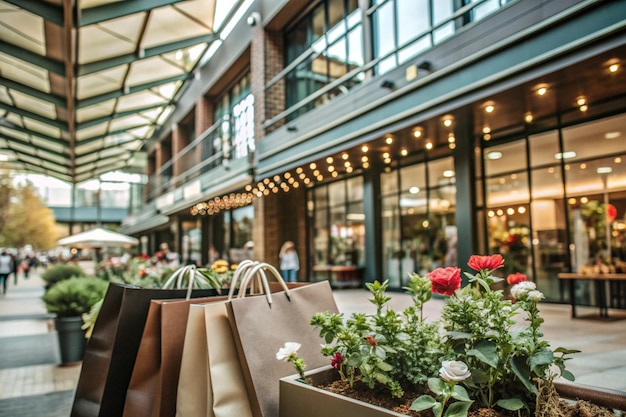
(381,398)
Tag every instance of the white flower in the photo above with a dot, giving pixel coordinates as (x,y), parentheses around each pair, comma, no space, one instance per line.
(286,351)
(535,296)
(454,371)
(520,289)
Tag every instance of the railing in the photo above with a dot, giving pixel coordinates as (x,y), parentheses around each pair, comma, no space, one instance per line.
(462,17)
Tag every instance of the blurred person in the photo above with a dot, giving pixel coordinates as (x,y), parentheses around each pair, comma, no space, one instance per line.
(289,262)
(7,267)
(172,258)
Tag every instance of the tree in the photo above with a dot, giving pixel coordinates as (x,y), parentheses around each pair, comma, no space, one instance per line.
(24,218)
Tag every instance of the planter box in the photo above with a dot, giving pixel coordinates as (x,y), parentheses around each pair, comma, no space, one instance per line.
(298,399)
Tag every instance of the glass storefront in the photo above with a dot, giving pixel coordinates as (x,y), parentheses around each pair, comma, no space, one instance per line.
(556,201)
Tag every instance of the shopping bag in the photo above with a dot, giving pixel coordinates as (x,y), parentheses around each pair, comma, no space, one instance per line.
(112,349)
(210,357)
(154,381)
(262,325)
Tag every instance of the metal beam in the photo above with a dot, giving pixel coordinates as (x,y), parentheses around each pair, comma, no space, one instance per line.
(32,58)
(114,116)
(43,9)
(27,143)
(37,135)
(111,133)
(13,85)
(34,116)
(119,93)
(119,9)
(148,53)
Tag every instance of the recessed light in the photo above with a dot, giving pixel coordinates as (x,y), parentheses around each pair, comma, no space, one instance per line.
(542,90)
(612,135)
(528,117)
(417,132)
(389,140)
(613,67)
(448,173)
(565,155)
(493,155)
(489,109)
(604,170)
(365,148)
(414,190)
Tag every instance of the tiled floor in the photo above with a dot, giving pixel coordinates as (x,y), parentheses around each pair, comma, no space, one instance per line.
(33,384)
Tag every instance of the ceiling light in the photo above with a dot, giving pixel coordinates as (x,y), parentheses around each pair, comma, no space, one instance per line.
(613,67)
(486,129)
(414,190)
(510,211)
(542,90)
(404,152)
(429,145)
(331,168)
(528,117)
(313,165)
(451,138)
(565,155)
(365,148)
(489,109)
(345,156)
(581,100)
(299,170)
(417,132)
(618,160)
(386,155)
(604,170)
(366,165)
(521,210)
(487,136)
(493,155)
(583,108)
(346,164)
(452,145)
(447,121)
(612,135)
(448,173)
(329,160)
(389,140)
(364,158)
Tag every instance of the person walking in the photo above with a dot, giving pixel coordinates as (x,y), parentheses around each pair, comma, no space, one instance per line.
(289,262)
(6,269)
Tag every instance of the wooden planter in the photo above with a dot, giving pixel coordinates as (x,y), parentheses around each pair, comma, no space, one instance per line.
(298,399)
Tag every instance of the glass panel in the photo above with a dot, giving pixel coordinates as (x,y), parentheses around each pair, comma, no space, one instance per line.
(318,27)
(508,157)
(413,178)
(444,32)
(414,49)
(413,19)
(392,253)
(594,139)
(335,12)
(337,58)
(336,193)
(389,182)
(383,23)
(242,225)
(355,189)
(442,10)
(297,40)
(507,189)
(355,48)
(355,243)
(543,148)
(484,9)
(441,172)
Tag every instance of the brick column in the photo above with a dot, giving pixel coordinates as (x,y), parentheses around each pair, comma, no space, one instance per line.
(178,144)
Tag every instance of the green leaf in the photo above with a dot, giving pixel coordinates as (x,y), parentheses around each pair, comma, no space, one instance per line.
(436,385)
(458,409)
(384,366)
(568,375)
(565,351)
(459,335)
(423,403)
(485,351)
(542,357)
(479,376)
(459,393)
(438,409)
(521,370)
(511,404)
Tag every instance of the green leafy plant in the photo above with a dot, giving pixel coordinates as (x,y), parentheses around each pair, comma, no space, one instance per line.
(60,272)
(74,296)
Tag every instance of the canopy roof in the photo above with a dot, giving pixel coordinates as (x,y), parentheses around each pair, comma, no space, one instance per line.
(98,238)
(84,83)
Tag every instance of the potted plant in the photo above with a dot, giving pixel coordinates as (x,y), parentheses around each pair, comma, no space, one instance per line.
(485,356)
(69,299)
(60,272)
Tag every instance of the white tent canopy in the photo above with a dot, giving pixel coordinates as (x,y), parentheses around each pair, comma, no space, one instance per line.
(98,238)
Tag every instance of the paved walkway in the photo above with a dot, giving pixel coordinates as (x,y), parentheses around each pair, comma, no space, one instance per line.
(34,384)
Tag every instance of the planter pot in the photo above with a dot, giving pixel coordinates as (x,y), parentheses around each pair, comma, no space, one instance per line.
(298,399)
(72,339)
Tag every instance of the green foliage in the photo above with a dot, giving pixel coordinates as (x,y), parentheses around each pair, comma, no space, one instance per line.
(385,348)
(60,272)
(74,296)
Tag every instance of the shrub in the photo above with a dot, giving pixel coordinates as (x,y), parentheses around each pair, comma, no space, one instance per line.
(60,272)
(74,296)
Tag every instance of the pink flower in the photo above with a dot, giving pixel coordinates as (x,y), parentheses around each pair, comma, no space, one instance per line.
(337,360)
(445,280)
(515,278)
(490,263)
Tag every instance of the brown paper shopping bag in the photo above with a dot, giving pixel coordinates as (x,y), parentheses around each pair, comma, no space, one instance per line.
(112,349)
(261,327)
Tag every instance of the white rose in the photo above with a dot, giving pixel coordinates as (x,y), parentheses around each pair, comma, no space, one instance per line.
(286,351)
(454,371)
(520,289)
(535,296)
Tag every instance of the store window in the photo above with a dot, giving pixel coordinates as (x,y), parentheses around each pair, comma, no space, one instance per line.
(418,219)
(191,242)
(402,29)
(338,241)
(234,115)
(327,43)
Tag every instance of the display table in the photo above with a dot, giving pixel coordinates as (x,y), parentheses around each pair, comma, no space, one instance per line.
(340,276)
(608,296)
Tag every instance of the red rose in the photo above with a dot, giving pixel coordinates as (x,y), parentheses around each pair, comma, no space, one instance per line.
(513,279)
(337,360)
(445,280)
(489,263)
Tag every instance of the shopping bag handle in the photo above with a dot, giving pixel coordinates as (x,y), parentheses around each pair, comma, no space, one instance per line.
(240,273)
(259,270)
(176,280)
